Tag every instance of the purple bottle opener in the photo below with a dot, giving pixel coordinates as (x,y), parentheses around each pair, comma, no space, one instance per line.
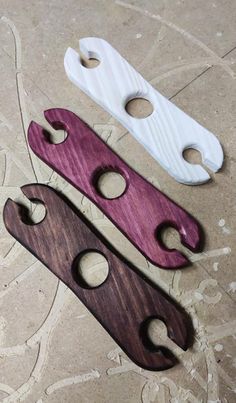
(140,212)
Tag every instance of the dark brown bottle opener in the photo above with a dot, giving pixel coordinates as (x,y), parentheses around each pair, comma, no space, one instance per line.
(124,303)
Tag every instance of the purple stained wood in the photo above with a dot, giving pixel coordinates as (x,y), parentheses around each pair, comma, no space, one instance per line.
(125,303)
(140,212)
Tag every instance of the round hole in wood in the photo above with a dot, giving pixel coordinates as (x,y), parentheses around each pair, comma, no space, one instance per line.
(169,237)
(89,63)
(31,214)
(111,184)
(139,108)
(55,136)
(91,269)
(153,333)
(157,331)
(192,155)
(38,212)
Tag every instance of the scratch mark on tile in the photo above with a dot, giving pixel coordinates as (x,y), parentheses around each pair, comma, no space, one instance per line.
(221,331)
(213,386)
(94,374)
(201,288)
(20,92)
(150,391)
(5,122)
(228,380)
(212,253)
(186,65)
(39,339)
(232,287)
(6,389)
(181,31)
(18,279)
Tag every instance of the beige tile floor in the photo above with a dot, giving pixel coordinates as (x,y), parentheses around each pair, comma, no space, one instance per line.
(51,348)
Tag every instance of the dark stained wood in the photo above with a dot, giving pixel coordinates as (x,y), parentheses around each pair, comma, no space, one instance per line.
(124,303)
(140,213)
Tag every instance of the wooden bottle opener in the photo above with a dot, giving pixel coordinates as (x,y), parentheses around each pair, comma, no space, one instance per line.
(166,133)
(140,212)
(124,303)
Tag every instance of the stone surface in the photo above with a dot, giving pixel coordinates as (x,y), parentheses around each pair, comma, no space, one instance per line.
(51,348)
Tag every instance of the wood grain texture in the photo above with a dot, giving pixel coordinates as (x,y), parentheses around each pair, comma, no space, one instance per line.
(166,133)
(140,212)
(124,303)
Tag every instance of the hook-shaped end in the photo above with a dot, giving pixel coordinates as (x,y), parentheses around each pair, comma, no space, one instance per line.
(37,139)
(177,327)
(189,231)
(60,119)
(94,47)
(212,158)
(197,137)
(14,216)
(71,65)
(44,194)
(90,48)
(11,215)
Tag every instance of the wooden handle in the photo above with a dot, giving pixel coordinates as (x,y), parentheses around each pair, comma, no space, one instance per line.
(124,303)
(140,212)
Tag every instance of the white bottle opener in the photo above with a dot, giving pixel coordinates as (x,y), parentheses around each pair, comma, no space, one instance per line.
(166,133)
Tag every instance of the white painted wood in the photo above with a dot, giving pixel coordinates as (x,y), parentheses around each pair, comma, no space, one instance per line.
(166,133)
